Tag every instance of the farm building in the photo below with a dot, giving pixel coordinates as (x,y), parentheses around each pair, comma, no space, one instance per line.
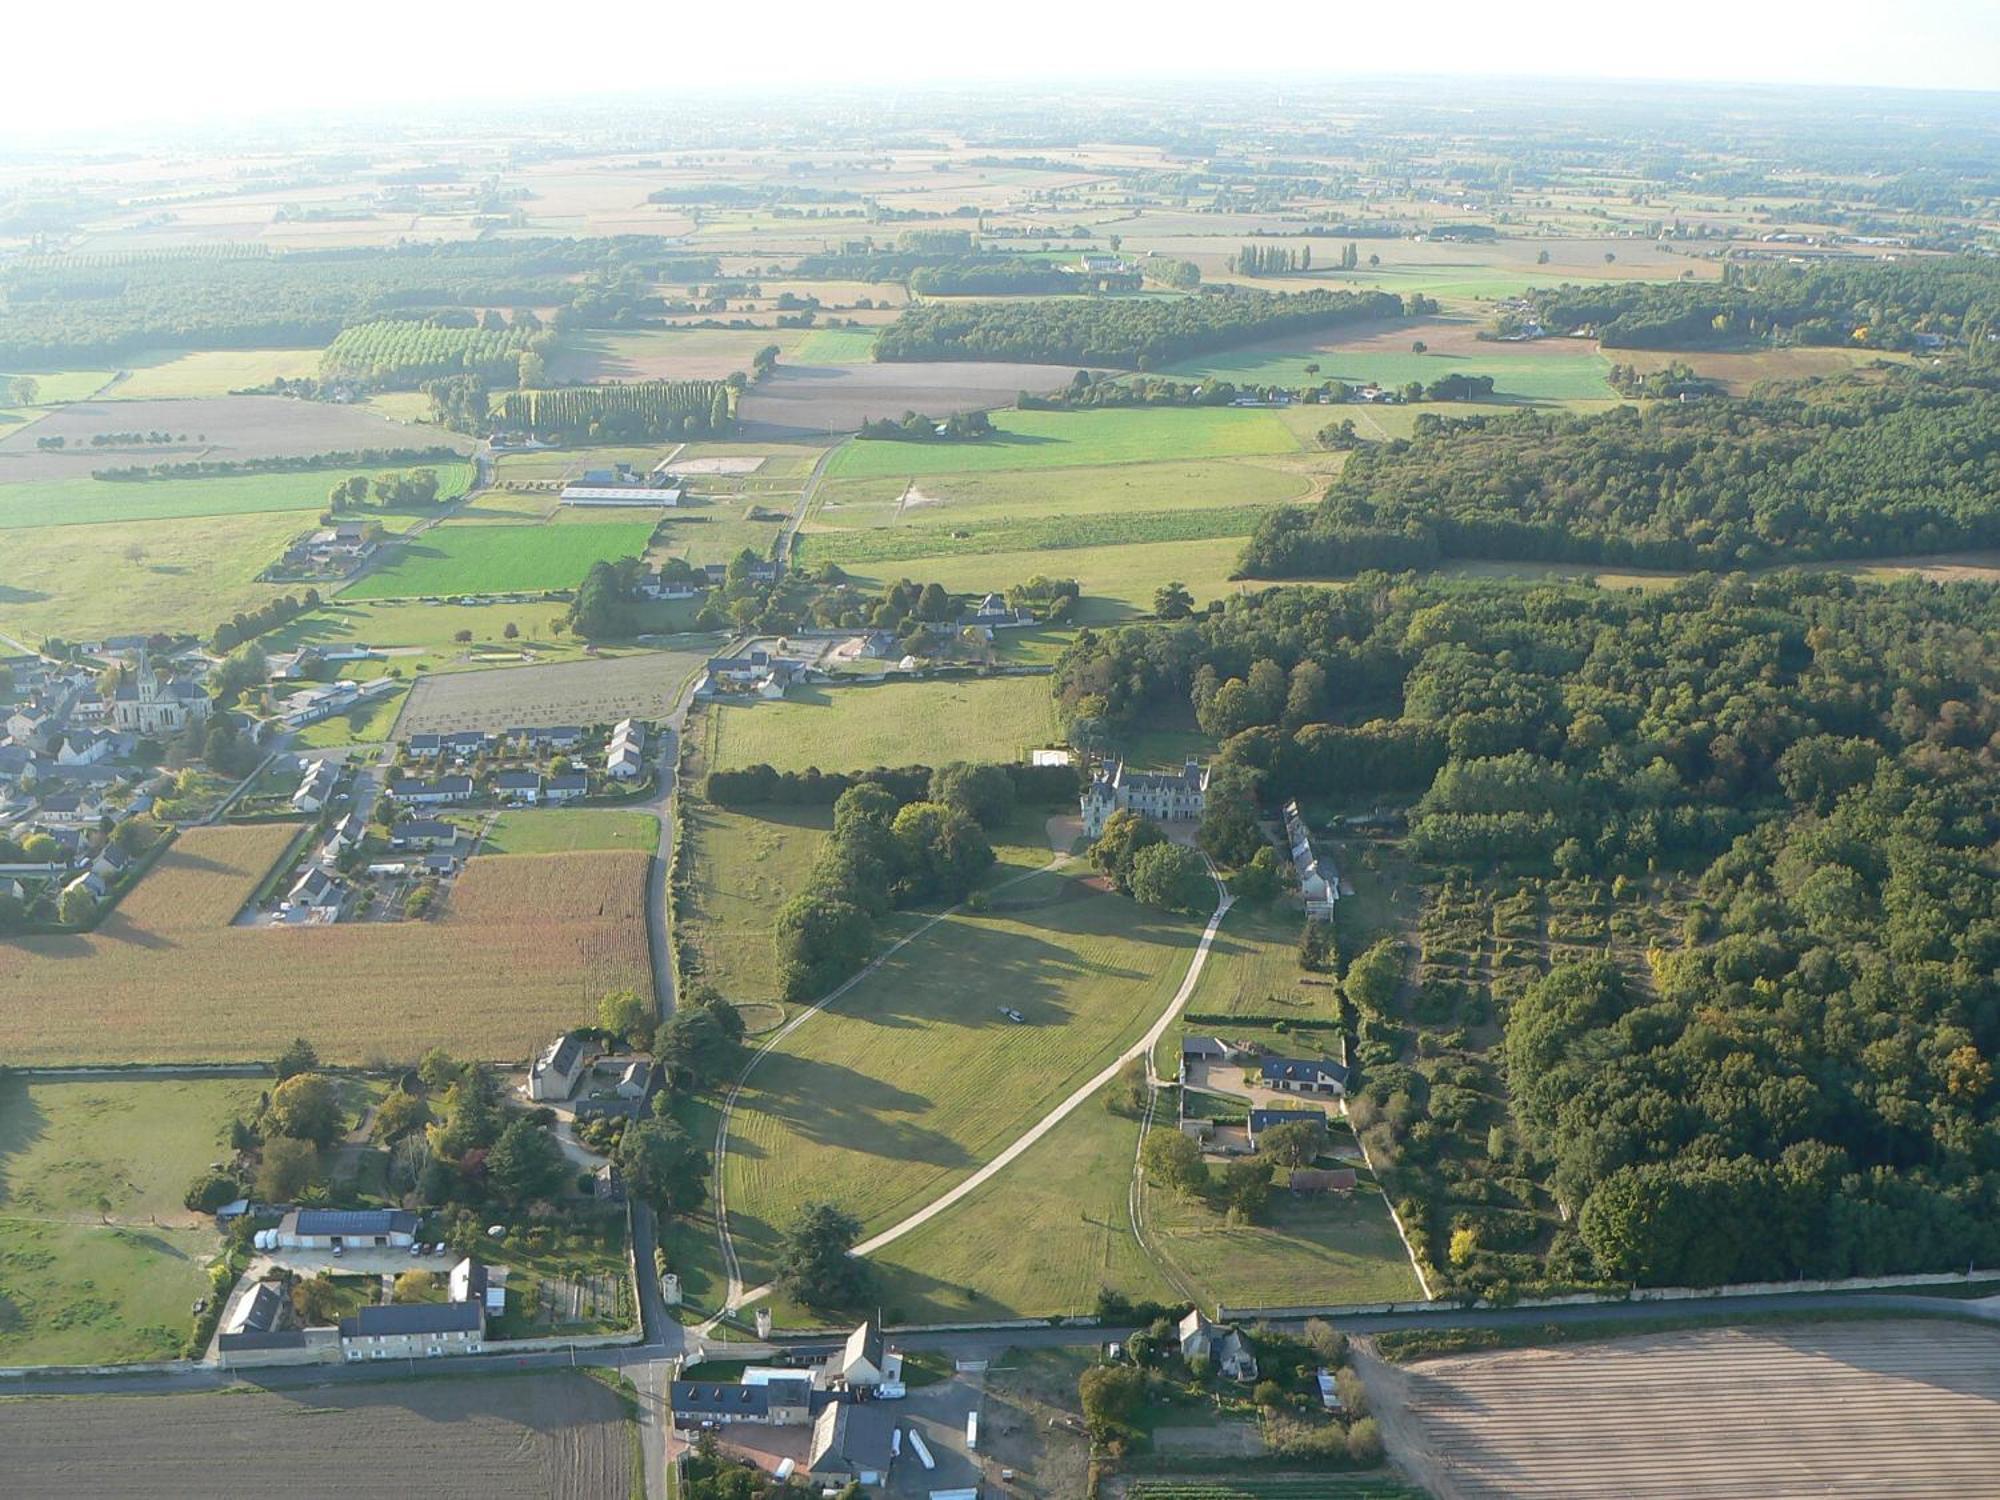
(324,1228)
(757,672)
(658,497)
(1302,1076)
(852,1440)
(555,1072)
(1319,881)
(405,1330)
(1165,796)
(770,1403)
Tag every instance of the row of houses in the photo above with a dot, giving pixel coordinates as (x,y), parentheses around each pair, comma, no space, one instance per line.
(520,787)
(1319,881)
(469,744)
(624,757)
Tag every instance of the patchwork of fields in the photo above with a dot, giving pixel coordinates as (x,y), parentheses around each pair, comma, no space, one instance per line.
(526,946)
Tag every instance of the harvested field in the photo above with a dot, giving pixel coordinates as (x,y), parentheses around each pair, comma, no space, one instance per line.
(560,1435)
(213,428)
(643,685)
(801,399)
(1856,1409)
(526,945)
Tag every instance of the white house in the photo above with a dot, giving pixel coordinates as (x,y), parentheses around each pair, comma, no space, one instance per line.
(555,1072)
(473,1281)
(863,1361)
(1164,796)
(1319,881)
(316,786)
(84,747)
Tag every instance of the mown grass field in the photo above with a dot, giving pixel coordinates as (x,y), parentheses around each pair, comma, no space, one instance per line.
(561,830)
(525,947)
(88,581)
(498,559)
(1053,440)
(1042,1238)
(211,372)
(834,346)
(887,724)
(367,725)
(55,387)
(83,502)
(101,1261)
(1052,534)
(398,623)
(1520,377)
(915,1076)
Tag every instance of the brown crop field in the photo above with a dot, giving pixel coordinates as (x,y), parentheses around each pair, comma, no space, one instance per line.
(643,685)
(207,428)
(560,1435)
(1864,1408)
(526,945)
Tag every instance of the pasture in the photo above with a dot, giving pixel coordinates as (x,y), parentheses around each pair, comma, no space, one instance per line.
(915,1076)
(561,1435)
(471,558)
(1073,439)
(103,1260)
(209,373)
(1041,1239)
(1054,534)
(1869,1406)
(887,724)
(1566,376)
(803,401)
(525,947)
(83,501)
(563,830)
(405,624)
(601,690)
(745,865)
(60,387)
(89,581)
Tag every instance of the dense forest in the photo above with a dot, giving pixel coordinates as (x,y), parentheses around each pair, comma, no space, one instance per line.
(57,309)
(1904,304)
(1901,462)
(1798,1083)
(1129,333)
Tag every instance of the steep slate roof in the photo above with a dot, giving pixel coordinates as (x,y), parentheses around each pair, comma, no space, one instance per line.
(712,1398)
(1300,1070)
(414,1317)
(1264,1119)
(349,1221)
(864,1343)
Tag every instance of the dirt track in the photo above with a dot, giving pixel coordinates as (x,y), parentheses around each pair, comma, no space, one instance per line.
(1864,1408)
(562,1436)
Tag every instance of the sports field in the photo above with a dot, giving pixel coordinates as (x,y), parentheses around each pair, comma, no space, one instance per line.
(908,1083)
(887,724)
(487,559)
(525,947)
(102,1260)
(1060,439)
(86,501)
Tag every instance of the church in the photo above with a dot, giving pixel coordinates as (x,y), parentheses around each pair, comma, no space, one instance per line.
(157,709)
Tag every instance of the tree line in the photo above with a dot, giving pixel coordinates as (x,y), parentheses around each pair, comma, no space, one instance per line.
(1126,333)
(645,411)
(340,458)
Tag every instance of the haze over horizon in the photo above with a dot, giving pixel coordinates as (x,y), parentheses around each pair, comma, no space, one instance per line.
(226,60)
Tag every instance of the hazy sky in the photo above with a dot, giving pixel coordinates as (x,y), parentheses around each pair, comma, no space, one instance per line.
(113,62)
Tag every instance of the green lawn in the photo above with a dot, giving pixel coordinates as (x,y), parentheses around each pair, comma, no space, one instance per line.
(212,372)
(745,865)
(887,724)
(1523,377)
(1253,970)
(475,559)
(834,346)
(557,830)
(1307,1250)
(1052,439)
(88,581)
(915,1076)
(98,1259)
(394,623)
(367,725)
(1042,1238)
(85,501)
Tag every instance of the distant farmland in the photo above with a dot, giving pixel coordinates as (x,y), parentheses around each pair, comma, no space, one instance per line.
(526,946)
(83,501)
(473,559)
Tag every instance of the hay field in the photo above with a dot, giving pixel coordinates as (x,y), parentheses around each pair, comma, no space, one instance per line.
(86,501)
(1075,439)
(563,1435)
(525,947)
(1864,1408)
(887,724)
(212,372)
